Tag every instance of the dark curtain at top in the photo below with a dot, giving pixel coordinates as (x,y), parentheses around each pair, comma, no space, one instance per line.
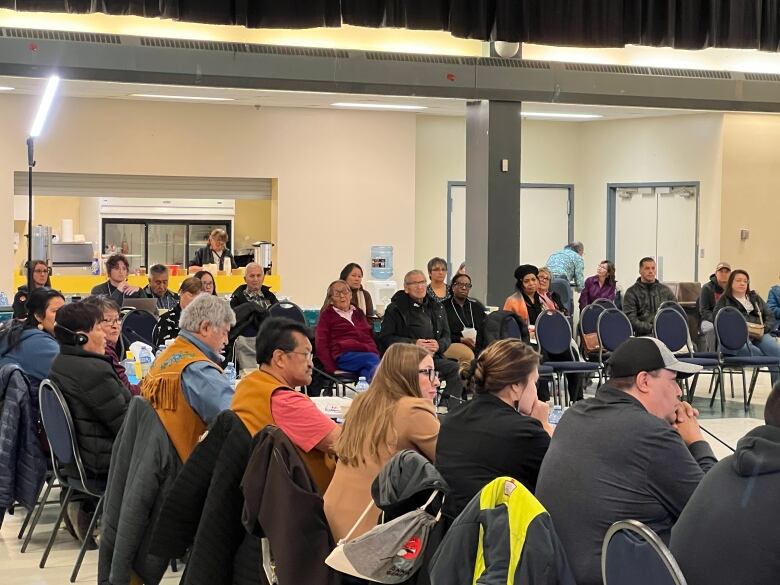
(683,24)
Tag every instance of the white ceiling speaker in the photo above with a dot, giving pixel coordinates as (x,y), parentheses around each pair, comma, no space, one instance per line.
(506,50)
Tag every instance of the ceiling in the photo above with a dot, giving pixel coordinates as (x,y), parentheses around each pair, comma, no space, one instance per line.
(290,99)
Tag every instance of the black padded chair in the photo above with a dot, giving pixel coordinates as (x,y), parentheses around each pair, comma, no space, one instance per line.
(632,554)
(138,325)
(613,328)
(288,310)
(61,434)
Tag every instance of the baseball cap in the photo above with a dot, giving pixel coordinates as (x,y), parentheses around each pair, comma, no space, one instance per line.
(645,354)
(723,265)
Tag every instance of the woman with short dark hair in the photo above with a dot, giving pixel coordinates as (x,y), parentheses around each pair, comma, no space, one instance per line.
(39,275)
(466,317)
(207,281)
(117,287)
(94,393)
(503,430)
(437,274)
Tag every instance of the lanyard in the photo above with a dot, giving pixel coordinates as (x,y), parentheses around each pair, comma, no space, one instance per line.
(471,312)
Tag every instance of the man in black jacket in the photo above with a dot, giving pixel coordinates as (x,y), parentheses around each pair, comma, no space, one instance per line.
(413,317)
(633,451)
(710,294)
(642,299)
(736,498)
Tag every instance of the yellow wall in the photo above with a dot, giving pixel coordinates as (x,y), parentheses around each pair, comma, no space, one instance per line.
(345,178)
(751,174)
(47,211)
(252,222)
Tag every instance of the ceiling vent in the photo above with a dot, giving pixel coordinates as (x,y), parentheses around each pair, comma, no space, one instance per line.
(772,77)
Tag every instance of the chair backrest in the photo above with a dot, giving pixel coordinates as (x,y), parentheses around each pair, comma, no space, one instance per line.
(59,427)
(731,329)
(606,303)
(553,332)
(289,310)
(632,554)
(589,317)
(562,287)
(504,325)
(613,328)
(670,327)
(138,325)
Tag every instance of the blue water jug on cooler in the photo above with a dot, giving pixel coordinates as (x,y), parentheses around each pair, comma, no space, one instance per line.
(381,262)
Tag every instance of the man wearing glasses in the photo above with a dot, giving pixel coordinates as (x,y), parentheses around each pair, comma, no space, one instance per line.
(267,396)
(413,317)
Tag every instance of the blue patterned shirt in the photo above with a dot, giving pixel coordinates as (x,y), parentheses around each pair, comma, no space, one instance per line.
(569,265)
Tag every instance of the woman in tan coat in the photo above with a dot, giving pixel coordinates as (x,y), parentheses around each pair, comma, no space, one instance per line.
(395,413)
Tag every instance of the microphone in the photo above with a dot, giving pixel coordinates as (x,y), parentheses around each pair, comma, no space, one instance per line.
(733,450)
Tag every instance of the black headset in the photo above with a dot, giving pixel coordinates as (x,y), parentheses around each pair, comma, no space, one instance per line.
(78,338)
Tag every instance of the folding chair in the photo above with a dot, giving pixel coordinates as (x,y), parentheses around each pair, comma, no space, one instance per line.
(612,328)
(671,328)
(289,310)
(606,303)
(138,325)
(731,332)
(632,554)
(61,434)
(589,317)
(553,335)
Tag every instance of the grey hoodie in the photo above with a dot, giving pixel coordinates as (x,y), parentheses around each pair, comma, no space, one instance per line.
(728,532)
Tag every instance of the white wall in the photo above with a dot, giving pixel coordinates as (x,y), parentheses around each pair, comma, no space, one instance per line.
(345,179)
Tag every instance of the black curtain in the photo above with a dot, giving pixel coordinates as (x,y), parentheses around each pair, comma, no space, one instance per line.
(682,24)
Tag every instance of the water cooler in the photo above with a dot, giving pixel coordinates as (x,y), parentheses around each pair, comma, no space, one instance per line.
(379,286)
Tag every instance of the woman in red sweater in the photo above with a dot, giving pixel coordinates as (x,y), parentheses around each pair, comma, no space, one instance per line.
(343,339)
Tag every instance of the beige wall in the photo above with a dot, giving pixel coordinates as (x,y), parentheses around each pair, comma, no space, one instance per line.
(345,178)
(47,211)
(751,174)
(252,222)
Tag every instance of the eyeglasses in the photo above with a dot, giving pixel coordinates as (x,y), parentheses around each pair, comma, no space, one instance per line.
(41,271)
(111,322)
(467,285)
(307,354)
(430,372)
(340,293)
(415,283)
(546,278)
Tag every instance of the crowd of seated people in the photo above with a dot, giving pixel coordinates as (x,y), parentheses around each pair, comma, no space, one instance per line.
(634,450)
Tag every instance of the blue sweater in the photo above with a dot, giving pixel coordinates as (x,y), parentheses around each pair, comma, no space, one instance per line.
(773,300)
(34,353)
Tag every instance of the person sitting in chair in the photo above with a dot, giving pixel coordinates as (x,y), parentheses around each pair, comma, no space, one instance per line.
(185,384)
(117,287)
(158,287)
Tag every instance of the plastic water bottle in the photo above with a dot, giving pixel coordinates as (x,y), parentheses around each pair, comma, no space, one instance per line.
(129,365)
(230,373)
(146,358)
(555,415)
(381,262)
(362,385)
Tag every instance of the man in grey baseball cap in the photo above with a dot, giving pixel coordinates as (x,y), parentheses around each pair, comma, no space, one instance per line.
(632,451)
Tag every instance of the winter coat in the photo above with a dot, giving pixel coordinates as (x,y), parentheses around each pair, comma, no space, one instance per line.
(480,547)
(773,300)
(335,336)
(641,302)
(736,498)
(144,465)
(239,297)
(97,401)
(202,511)
(406,321)
(282,503)
(22,462)
(759,313)
(34,353)
(710,293)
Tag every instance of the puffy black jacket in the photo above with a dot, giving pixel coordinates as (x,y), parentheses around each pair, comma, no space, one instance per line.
(22,462)
(710,294)
(406,321)
(97,401)
(641,304)
(760,313)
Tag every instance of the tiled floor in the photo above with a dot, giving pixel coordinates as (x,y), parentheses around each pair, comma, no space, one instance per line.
(22,569)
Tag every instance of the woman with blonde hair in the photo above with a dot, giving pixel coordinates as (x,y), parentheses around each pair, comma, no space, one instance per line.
(503,430)
(395,413)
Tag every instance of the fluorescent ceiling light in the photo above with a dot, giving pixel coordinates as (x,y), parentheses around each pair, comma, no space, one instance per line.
(6,88)
(560,115)
(43,109)
(375,106)
(162,96)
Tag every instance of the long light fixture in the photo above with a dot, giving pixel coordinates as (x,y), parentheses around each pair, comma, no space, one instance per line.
(377,106)
(162,96)
(561,115)
(45,105)
(6,88)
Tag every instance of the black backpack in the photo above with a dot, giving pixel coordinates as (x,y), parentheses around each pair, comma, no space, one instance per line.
(503,325)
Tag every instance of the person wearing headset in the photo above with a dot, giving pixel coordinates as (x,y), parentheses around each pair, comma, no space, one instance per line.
(502,431)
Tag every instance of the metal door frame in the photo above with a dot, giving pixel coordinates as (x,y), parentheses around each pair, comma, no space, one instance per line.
(612,211)
(568,186)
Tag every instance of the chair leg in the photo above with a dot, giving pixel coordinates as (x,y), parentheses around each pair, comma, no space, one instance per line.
(45,488)
(731,379)
(37,516)
(61,515)
(753,381)
(744,389)
(692,388)
(87,537)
